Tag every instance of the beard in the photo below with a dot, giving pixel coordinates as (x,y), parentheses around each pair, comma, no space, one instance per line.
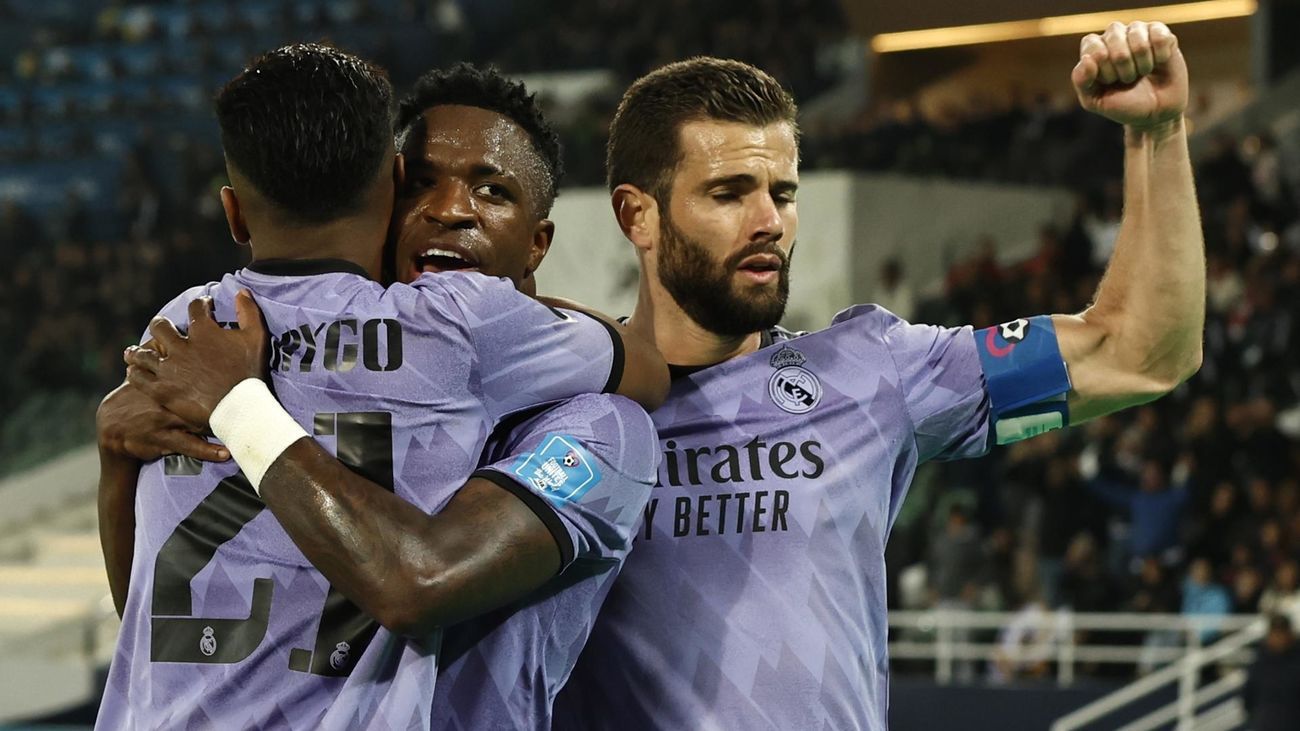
(707,291)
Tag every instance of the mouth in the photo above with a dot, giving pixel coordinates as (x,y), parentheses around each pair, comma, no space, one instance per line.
(444,258)
(760,268)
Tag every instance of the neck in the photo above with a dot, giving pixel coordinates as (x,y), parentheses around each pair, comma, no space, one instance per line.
(682,341)
(353,239)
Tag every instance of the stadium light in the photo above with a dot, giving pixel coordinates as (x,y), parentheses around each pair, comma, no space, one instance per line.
(1059,25)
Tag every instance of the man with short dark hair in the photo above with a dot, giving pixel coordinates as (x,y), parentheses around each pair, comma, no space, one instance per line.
(1272,692)
(227,597)
(755,598)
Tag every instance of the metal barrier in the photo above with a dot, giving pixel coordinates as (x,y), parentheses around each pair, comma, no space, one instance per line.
(939,635)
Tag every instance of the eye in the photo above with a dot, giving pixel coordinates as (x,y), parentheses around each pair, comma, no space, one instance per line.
(725,196)
(494,190)
(785,198)
(422,182)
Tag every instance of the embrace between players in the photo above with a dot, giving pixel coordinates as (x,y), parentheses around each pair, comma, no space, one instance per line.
(453,546)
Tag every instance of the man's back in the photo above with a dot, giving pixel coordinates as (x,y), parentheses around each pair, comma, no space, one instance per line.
(227,623)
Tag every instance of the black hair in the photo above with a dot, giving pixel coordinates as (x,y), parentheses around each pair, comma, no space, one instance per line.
(309,126)
(486,88)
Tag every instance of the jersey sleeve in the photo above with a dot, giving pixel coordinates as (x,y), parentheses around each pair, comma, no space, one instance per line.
(941,382)
(586,467)
(528,353)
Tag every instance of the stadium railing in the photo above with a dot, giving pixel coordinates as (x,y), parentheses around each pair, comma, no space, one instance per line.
(943,636)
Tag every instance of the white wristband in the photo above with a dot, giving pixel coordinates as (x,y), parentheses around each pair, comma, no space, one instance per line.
(254,427)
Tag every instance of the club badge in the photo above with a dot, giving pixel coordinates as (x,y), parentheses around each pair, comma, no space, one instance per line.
(793,388)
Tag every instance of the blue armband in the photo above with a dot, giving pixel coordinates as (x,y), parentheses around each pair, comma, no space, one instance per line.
(1025,376)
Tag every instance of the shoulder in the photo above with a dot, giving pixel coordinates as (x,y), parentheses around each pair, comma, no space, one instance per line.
(600,416)
(177,309)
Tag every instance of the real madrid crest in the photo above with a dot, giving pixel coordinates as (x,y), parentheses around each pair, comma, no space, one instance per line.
(793,388)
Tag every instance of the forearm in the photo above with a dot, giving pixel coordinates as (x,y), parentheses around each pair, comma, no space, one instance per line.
(117,483)
(1145,327)
(409,570)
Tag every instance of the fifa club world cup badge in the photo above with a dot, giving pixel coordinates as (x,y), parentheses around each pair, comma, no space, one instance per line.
(793,388)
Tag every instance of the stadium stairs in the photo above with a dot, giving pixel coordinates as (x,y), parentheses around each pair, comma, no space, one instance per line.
(57,625)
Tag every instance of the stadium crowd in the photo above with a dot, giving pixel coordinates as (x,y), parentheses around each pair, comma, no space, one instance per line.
(1189,504)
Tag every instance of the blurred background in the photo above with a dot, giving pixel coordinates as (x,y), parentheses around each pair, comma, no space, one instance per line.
(1114,575)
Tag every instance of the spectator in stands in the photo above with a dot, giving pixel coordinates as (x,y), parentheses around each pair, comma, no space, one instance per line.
(1155,593)
(1027,645)
(1283,594)
(1085,585)
(895,293)
(1202,597)
(955,561)
(1154,510)
(1272,692)
(1247,588)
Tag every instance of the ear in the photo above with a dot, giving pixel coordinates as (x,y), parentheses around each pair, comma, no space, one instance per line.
(637,213)
(543,235)
(234,216)
(399,171)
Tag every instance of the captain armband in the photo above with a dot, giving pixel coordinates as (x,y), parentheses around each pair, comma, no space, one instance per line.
(1026,378)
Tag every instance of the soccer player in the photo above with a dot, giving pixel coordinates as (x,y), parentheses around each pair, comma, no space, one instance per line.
(227,624)
(481,170)
(755,598)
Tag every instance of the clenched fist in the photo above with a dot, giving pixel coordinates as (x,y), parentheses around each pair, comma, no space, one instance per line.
(1132,74)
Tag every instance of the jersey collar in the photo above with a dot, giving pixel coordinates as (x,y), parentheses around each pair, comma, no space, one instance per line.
(305,267)
(765,338)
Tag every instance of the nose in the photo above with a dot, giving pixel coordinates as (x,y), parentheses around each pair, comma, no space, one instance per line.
(448,204)
(765,222)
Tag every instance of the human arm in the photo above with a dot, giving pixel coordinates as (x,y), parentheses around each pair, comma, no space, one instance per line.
(1142,335)
(130,429)
(409,570)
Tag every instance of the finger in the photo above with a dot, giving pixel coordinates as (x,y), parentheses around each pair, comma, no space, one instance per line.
(155,346)
(201,312)
(1139,44)
(248,314)
(142,379)
(165,332)
(1116,38)
(177,441)
(1093,46)
(1163,42)
(1084,75)
(142,358)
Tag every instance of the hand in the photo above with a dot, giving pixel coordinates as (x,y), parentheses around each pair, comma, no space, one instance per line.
(129,424)
(189,376)
(1132,74)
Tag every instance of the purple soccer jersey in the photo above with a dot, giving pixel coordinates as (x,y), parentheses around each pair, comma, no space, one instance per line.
(755,598)
(592,462)
(227,625)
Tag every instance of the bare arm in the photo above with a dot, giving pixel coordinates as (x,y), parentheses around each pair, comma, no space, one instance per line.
(1142,336)
(409,570)
(117,478)
(130,429)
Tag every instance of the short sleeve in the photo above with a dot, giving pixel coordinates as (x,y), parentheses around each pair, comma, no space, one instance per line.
(528,353)
(586,467)
(942,383)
